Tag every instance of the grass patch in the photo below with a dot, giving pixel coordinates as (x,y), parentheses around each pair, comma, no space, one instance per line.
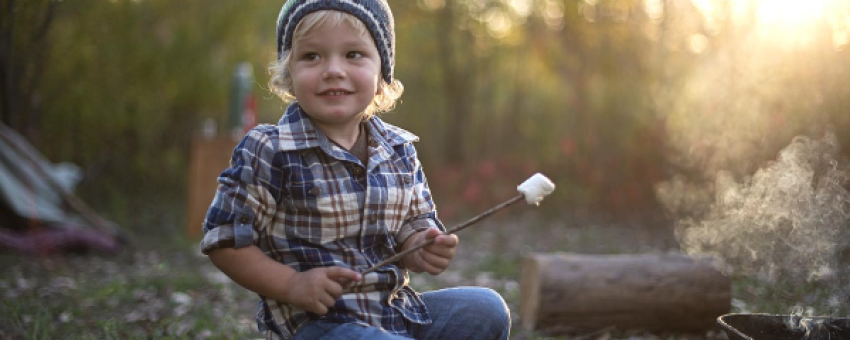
(141,295)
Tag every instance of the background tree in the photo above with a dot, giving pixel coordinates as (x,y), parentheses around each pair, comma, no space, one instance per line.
(24,26)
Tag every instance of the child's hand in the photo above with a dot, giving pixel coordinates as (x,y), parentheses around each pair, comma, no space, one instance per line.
(433,258)
(317,289)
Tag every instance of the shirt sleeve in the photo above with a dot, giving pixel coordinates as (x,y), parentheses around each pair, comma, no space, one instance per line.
(423,212)
(244,202)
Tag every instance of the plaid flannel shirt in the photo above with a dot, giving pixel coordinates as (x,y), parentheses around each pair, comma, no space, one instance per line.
(308,203)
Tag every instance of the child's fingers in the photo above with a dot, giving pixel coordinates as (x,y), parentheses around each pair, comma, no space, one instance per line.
(333,290)
(449,240)
(440,238)
(343,275)
(425,264)
(437,261)
(327,300)
(434,266)
(318,308)
(430,233)
(440,251)
(444,245)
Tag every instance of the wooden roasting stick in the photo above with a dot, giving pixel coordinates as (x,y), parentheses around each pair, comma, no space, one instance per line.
(533,190)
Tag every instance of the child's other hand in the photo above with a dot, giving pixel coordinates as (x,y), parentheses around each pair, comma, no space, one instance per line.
(317,289)
(433,258)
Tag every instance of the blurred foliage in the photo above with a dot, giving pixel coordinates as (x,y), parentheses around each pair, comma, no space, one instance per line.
(607,97)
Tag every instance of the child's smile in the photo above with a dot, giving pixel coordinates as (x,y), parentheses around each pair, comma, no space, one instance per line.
(334,93)
(335,73)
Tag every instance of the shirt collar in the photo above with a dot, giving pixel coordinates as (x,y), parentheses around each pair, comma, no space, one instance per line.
(297,132)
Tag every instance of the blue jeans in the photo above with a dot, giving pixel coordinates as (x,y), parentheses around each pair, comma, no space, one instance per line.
(458,313)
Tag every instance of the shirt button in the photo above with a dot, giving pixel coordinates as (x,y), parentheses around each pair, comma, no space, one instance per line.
(244,219)
(315,191)
(357,171)
(373,218)
(406,179)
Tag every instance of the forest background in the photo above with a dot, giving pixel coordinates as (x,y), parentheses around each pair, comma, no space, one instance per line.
(610,98)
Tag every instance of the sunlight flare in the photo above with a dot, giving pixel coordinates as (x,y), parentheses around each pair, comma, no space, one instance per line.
(794,24)
(789,23)
(791,13)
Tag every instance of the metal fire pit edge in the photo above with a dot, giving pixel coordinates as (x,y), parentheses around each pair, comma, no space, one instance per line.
(749,326)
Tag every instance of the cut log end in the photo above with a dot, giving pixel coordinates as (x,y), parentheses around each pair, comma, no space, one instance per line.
(530,292)
(667,292)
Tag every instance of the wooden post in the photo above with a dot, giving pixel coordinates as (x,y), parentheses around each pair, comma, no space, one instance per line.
(662,292)
(209,157)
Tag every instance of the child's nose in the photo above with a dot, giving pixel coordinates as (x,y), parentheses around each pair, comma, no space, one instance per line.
(334,69)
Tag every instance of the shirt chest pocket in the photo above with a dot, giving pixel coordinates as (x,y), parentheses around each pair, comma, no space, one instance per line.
(394,206)
(324,209)
(320,211)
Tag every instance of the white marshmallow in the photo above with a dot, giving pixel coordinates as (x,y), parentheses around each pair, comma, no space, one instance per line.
(535,188)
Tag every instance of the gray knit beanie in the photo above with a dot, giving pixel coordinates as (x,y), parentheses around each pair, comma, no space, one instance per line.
(375,14)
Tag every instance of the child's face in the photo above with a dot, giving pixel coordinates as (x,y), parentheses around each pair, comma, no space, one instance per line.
(335,73)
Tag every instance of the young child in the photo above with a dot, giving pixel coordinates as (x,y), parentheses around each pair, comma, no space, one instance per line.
(332,190)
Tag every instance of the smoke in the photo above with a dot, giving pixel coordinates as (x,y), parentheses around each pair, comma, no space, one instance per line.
(760,182)
(817,328)
(788,222)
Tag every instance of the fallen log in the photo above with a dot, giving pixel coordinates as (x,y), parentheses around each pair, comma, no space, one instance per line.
(658,292)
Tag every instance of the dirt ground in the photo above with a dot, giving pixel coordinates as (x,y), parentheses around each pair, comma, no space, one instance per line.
(173,291)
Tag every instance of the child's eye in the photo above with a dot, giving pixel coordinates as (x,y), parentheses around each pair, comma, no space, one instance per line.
(310,56)
(354,55)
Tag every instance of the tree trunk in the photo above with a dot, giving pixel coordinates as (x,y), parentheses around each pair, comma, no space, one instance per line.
(458,83)
(23,40)
(660,292)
